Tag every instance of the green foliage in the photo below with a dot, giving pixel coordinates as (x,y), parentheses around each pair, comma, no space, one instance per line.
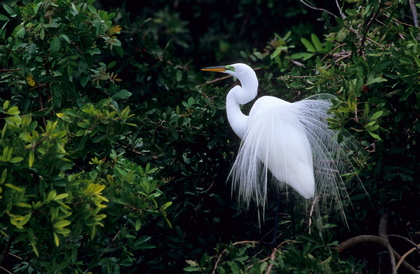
(43,161)
(67,190)
(52,54)
(41,195)
(98,126)
(307,254)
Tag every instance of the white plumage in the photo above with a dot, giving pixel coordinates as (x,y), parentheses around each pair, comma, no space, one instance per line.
(292,140)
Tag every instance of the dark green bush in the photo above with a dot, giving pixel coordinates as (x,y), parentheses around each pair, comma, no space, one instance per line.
(68,192)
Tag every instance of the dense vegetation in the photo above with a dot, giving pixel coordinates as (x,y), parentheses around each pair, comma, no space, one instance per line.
(115,148)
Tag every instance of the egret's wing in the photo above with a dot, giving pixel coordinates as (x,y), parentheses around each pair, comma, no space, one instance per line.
(313,113)
(275,140)
(293,141)
(330,158)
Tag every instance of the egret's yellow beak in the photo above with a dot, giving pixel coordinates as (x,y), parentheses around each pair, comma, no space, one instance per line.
(215,69)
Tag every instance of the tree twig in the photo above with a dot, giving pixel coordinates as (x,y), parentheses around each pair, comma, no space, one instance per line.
(406,239)
(315,8)
(383,231)
(340,9)
(414,12)
(5,270)
(218,79)
(272,258)
(405,255)
(8,70)
(311,212)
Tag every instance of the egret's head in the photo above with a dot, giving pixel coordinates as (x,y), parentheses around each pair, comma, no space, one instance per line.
(236,70)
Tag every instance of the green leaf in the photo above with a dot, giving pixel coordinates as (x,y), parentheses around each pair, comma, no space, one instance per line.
(36,8)
(25,219)
(51,195)
(376,80)
(56,239)
(138,224)
(125,112)
(61,224)
(66,38)
(15,160)
(3,176)
(315,41)
(376,136)
(55,45)
(19,31)
(301,55)
(111,65)
(15,188)
(13,111)
(84,79)
(165,206)
(92,9)
(119,50)
(142,243)
(122,94)
(308,45)
(376,115)
(278,51)
(61,196)
(63,205)
(33,244)
(9,10)
(83,124)
(13,119)
(42,34)
(3,17)
(192,269)
(100,138)
(6,104)
(191,101)
(7,154)
(20,204)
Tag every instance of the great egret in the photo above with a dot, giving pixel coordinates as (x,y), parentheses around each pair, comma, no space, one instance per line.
(292,140)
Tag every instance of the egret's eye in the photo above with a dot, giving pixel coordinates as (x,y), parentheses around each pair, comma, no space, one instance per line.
(231,68)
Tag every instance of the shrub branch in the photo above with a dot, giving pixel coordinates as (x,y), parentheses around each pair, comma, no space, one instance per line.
(382,240)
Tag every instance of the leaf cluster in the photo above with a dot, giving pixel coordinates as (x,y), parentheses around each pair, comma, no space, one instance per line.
(306,254)
(66,184)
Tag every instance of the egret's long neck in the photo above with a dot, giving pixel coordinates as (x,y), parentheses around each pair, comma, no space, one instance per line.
(237,96)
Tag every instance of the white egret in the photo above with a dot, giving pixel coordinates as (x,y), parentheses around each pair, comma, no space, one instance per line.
(292,140)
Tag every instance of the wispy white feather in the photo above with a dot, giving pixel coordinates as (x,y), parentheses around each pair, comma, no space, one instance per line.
(292,141)
(273,140)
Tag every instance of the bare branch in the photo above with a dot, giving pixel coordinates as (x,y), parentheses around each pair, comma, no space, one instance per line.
(383,231)
(8,70)
(340,9)
(315,8)
(405,255)
(406,239)
(218,79)
(414,12)
(382,240)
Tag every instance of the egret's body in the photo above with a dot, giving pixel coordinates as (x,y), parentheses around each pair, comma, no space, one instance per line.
(282,147)
(292,140)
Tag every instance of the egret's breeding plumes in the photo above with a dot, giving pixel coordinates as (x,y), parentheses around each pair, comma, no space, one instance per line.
(291,140)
